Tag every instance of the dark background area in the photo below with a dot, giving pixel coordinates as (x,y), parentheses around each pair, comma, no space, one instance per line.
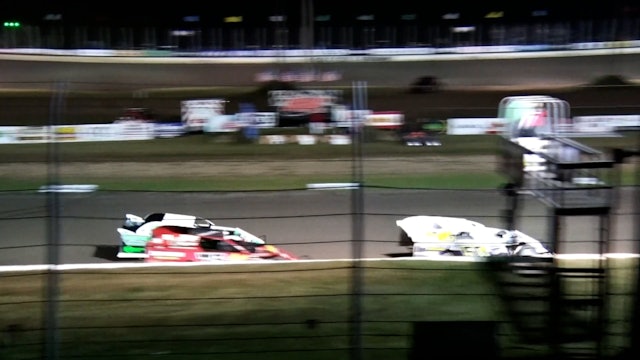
(257,12)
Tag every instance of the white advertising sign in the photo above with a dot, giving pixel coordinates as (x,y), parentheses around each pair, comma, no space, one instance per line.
(196,113)
(303,102)
(263,120)
(135,130)
(386,120)
(345,118)
(85,132)
(221,123)
(97,132)
(8,134)
(474,126)
(604,123)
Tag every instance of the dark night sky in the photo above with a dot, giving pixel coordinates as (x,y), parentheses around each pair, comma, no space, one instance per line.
(115,11)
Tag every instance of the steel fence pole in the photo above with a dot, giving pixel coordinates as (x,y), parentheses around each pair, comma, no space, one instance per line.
(357,201)
(52,338)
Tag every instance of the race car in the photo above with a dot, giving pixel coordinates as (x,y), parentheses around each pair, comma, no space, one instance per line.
(217,243)
(137,231)
(429,235)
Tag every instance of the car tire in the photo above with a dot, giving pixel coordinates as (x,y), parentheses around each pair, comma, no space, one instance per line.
(405,240)
(448,253)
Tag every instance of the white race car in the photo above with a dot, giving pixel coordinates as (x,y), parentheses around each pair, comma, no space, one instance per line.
(137,231)
(441,235)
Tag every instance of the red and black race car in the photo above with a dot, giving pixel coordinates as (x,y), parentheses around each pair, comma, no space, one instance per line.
(211,244)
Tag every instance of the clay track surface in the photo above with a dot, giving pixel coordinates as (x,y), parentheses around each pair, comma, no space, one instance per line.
(314,224)
(416,165)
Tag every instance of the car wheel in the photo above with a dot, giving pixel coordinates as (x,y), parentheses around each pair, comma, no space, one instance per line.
(405,240)
(449,253)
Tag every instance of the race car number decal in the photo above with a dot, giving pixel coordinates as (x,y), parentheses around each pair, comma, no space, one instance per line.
(211,256)
(440,235)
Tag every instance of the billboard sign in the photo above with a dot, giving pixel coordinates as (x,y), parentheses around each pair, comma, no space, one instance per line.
(196,114)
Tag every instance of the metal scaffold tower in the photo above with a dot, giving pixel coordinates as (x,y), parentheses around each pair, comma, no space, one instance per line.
(540,159)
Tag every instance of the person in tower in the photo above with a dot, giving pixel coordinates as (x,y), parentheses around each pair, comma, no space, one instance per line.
(531,121)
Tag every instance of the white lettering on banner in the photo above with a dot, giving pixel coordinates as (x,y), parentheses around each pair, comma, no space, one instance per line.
(585,125)
(474,126)
(97,132)
(306,139)
(168,130)
(83,132)
(263,120)
(135,130)
(344,118)
(297,76)
(273,139)
(384,120)
(33,134)
(604,123)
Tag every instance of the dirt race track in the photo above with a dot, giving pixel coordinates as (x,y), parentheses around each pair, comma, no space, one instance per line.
(313,224)
(420,164)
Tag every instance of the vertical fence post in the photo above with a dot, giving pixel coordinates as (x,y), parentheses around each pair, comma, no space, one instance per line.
(359,105)
(634,338)
(51,342)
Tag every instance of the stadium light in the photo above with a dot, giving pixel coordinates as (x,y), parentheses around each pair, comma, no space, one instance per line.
(12,24)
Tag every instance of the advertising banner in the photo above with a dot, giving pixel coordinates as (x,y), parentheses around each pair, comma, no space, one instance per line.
(134,130)
(168,130)
(84,132)
(385,120)
(221,123)
(604,123)
(343,117)
(96,132)
(475,126)
(196,113)
(8,134)
(262,120)
(299,107)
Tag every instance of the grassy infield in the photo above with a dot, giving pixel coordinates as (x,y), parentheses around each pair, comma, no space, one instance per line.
(210,148)
(268,311)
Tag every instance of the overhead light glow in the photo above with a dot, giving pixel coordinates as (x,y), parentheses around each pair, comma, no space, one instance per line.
(277,18)
(494,15)
(367,17)
(233,19)
(463,29)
